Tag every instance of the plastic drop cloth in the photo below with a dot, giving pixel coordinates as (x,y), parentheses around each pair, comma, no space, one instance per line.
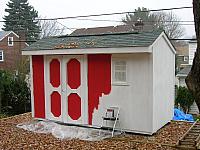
(65,132)
(180,115)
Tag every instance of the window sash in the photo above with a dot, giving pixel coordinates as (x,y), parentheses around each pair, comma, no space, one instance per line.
(10,41)
(1,55)
(120,71)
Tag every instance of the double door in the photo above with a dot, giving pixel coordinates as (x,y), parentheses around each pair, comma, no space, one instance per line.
(66,89)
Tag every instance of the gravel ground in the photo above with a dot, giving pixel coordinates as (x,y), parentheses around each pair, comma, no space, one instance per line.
(14,138)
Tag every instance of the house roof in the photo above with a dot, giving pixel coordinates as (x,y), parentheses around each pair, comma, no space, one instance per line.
(184,71)
(3,34)
(110,29)
(105,40)
(182,48)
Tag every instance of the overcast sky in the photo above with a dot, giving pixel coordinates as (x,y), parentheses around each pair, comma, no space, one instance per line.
(64,8)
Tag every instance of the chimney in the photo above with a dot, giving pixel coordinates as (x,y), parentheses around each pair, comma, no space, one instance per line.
(139,24)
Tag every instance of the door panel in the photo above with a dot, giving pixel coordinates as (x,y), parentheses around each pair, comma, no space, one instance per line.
(53,88)
(75,91)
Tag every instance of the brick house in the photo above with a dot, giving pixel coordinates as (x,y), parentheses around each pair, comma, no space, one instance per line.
(10,49)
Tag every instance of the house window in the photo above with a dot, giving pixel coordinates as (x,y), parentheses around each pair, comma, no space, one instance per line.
(185,58)
(120,71)
(1,55)
(10,41)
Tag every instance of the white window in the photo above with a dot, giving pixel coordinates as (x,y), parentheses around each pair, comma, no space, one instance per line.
(186,58)
(120,71)
(1,55)
(10,41)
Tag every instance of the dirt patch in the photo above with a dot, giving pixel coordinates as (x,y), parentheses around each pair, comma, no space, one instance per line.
(16,138)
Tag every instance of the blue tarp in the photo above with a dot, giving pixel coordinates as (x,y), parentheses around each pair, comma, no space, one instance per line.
(180,115)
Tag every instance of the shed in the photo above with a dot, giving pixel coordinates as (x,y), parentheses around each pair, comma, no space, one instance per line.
(75,78)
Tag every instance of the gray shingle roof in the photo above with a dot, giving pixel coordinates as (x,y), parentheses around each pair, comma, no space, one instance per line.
(110,29)
(130,39)
(3,34)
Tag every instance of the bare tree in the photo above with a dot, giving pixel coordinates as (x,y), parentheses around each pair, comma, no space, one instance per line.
(193,78)
(167,21)
(50,28)
(170,23)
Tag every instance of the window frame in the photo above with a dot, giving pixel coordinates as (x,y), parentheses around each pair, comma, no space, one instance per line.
(114,81)
(10,44)
(2,54)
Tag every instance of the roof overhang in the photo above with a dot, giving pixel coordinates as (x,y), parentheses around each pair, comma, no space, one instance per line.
(90,51)
(8,34)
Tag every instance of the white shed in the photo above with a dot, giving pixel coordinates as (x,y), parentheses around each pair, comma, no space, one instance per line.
(76,78)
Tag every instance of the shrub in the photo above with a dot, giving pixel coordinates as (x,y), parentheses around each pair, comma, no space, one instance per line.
(184,98)
(15,93)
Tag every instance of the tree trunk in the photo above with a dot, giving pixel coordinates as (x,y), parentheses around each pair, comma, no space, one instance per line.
(193,78)
(0,101)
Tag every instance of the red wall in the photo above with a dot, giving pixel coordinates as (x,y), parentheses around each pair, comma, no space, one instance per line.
(99,80)
(38,86)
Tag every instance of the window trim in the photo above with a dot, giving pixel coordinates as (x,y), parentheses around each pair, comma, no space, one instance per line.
(1,60)
(10,37)
(120,83)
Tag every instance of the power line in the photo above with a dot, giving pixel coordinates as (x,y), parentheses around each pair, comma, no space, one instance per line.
(108,20)
(185,22)
(117,13)
(103,14)
(64,26)
(71,29)
(175,39)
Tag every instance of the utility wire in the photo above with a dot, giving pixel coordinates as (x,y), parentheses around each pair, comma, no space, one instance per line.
(64,26)
(103,14)
(117,13)
(108,20)
(72,29)
(25,41)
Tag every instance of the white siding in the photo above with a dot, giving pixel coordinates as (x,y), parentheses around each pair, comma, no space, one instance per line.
(133,98)
(192,50)
(182,81)
(194,109)
(163,83)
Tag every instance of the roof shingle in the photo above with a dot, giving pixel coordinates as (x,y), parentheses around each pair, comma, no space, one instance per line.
(111,40)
